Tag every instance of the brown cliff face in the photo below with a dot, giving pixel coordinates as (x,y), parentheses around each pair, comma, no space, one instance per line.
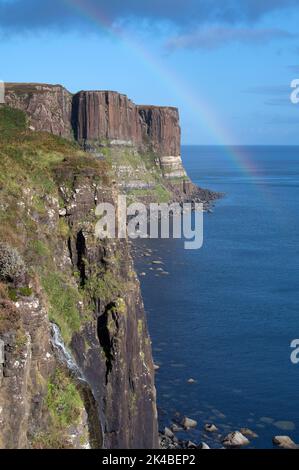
(162,128)
(95,117)
(113,348)
(98,118)
(48,107)
(106,115)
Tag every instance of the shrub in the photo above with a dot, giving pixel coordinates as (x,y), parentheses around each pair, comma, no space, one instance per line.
(9,316)
(63,299)
(11,263)
(63,400)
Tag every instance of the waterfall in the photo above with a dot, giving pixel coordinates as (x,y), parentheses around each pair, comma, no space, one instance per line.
(64,355)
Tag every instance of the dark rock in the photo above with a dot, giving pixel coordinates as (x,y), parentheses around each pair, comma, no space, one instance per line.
(191,445)
(210,428)
(203,446)
(168,433)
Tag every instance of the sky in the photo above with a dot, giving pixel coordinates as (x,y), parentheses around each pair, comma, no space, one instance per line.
(226,64)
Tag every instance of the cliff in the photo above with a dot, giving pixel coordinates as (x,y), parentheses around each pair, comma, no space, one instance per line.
(163,135)
(49,107)
(101,116)
(75,354)
(76,367)
(96,118)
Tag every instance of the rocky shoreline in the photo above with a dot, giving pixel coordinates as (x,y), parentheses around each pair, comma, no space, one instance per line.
(234,440)
(182,432)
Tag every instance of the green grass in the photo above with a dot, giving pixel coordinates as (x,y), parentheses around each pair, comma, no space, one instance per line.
(64,404)
(63,400)
(63,304)
(158,194)
(40,249)
(11,121)
(104,285)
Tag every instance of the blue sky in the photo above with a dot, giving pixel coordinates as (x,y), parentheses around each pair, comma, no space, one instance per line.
(226,64)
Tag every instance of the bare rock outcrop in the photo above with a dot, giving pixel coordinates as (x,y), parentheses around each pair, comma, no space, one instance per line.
(96,118)
(48,107)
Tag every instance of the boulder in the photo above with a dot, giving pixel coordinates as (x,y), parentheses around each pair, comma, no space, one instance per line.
(210,427)
(235,439)
(191,381)
(188,423)
(191,445)
(284,442)
(168,433)
(247,432)
(203,446)
(175,428)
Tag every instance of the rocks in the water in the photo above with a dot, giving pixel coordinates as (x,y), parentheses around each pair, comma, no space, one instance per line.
(167,442)
(168,433)
(175,428)
(285,425)
(191,445)
(142,274)
(191,381)
(210,427)
(156,367)
(188,423)
(203,445)
(235,439)
(248,432)
(284,442)
(266,420)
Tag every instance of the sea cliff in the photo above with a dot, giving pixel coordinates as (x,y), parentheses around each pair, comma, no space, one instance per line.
(76,366)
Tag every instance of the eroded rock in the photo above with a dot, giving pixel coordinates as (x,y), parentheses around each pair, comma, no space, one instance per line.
(188,423)
(284,442)
(235,439)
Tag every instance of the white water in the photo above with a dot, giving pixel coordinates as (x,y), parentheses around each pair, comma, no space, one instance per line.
(64,354)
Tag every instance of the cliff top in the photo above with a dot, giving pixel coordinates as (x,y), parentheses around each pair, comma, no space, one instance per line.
(27,87)
(30,87)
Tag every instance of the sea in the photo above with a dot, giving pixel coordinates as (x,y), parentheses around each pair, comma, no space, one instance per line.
(225,315)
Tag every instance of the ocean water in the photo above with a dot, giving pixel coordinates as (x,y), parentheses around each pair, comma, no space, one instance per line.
(227,313)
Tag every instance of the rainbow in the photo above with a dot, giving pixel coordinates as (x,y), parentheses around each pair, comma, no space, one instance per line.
(195,102)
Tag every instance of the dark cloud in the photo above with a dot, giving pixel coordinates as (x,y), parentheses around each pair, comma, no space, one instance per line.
(18,15)
(213,38)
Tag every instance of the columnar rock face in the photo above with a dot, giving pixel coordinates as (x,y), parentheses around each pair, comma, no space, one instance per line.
(163,135)
(96,118)
(162,127)
(48,107)
(106,115)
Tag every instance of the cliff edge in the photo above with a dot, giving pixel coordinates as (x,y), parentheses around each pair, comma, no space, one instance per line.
(103,122)
(76,368)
